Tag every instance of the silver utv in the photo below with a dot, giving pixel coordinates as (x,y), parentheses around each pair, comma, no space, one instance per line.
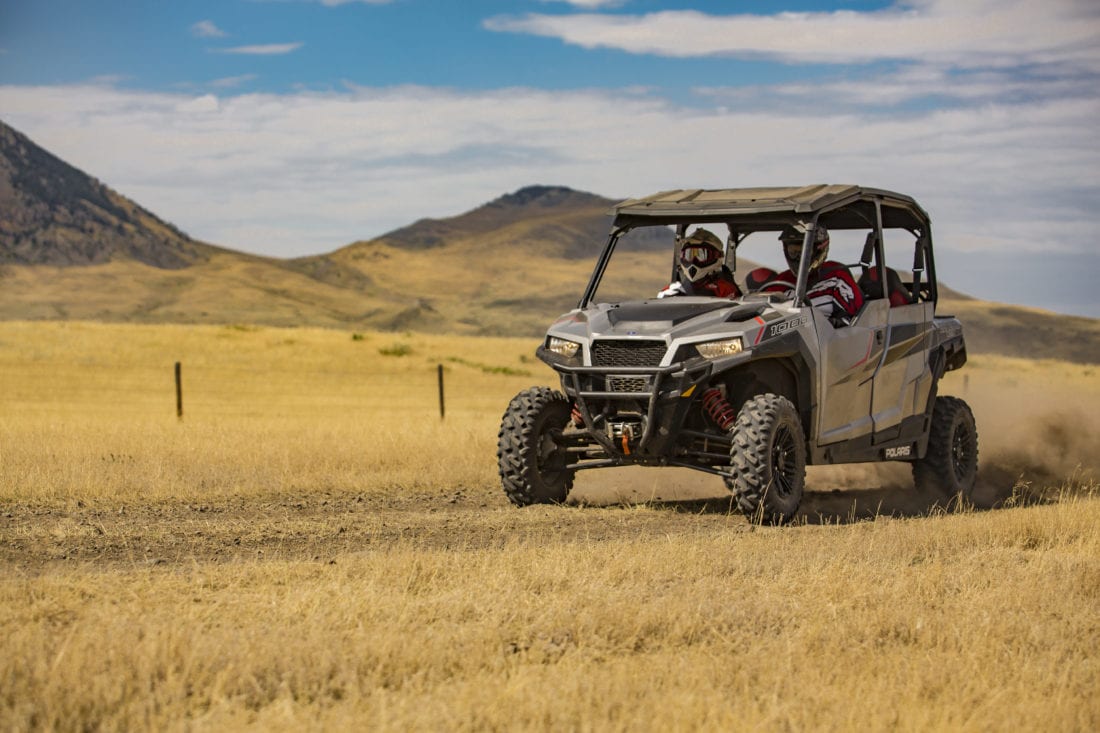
(755,388)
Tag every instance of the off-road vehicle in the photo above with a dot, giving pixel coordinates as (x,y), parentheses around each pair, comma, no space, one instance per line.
(755,388)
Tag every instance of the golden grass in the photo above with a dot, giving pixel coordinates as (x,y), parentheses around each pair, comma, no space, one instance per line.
(89,410)
(164,575)
(969,622)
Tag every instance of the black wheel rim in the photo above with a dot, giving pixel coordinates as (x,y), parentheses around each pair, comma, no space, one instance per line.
(550,459)
(784,461)
(962,450)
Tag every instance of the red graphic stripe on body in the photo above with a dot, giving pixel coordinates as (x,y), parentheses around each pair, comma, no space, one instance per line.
(870,346)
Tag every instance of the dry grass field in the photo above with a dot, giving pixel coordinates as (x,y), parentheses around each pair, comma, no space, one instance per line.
(311,547)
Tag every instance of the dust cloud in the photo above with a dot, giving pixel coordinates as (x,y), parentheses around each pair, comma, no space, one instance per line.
(1038,424)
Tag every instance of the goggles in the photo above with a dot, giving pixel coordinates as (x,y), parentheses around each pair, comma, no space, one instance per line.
(699,254)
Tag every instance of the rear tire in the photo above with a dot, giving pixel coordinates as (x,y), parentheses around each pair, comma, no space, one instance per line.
(950,467)
(768,459)
(529,455)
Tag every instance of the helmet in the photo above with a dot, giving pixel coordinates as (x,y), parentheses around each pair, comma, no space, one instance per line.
(700,255)
(792,238)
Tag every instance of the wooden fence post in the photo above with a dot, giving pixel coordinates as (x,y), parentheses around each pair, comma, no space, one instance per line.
(179,393)
(442,410)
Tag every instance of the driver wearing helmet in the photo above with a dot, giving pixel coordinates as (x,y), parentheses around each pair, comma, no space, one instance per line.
(829,286)
(702,269)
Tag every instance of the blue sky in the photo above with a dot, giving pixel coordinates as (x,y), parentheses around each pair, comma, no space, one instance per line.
(292,127)
(282,45)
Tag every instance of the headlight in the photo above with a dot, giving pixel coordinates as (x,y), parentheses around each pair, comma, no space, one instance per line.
(716,349)
(568,349)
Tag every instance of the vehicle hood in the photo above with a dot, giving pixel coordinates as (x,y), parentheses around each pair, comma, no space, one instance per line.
(670,319)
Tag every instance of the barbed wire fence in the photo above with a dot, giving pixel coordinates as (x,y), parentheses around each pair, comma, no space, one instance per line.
(200,388)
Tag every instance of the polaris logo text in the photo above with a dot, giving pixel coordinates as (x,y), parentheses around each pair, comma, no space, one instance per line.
(784,326)
(903,451)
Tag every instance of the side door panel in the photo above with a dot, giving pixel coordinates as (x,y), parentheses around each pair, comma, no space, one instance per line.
(849,357)
(904,378)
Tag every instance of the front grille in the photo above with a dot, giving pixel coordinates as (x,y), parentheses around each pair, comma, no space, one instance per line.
(628,353)
(628,384)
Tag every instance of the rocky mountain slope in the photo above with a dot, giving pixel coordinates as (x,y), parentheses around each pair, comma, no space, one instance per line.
(54,214)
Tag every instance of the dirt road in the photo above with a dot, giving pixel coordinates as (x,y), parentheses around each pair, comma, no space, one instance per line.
(324,526)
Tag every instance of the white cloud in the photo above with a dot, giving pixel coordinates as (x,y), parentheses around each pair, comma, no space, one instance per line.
(977,33)
(307,172)
(914,83)
(266,49)
(207,29)
(230,82)
(205,103)
(590,4)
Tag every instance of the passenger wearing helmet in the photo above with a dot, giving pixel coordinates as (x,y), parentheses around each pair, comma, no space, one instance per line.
(829,286)
(702,269)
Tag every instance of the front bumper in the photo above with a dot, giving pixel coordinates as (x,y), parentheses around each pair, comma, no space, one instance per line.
(659,398)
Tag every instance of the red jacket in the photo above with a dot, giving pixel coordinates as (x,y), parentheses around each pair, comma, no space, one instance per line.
(716,285)
(831,288)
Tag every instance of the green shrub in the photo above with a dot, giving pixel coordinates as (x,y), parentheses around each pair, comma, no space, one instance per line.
(396,349)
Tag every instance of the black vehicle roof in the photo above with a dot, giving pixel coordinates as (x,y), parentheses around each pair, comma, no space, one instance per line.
(763,204)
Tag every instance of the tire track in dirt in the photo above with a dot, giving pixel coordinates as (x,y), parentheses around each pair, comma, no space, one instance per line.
(322,527)
(34,537)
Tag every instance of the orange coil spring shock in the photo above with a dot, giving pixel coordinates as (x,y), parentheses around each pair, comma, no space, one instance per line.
(720,411)
(578,419)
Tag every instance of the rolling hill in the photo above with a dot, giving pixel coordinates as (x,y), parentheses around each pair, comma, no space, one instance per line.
(72,248)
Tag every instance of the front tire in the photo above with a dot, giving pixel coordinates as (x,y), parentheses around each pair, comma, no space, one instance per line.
(768,458)
(530,457)
(950,467)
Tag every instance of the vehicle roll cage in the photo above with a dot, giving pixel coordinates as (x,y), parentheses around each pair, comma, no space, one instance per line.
(864,208)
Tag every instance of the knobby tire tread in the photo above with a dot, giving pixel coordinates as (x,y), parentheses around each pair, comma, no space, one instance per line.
(751,455)
(935,473)
(518,446)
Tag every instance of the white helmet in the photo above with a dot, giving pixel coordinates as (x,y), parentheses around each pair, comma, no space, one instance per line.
(700,255)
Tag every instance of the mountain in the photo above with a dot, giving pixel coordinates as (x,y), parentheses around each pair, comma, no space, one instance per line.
(548,220)
(542,221)
(55,214)
(72,248)
(497,269)
(550,214)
